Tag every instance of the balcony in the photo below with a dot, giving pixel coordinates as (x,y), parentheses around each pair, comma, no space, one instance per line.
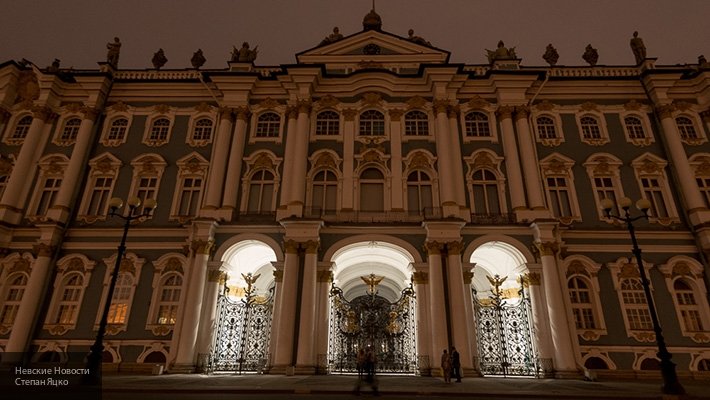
(373,216)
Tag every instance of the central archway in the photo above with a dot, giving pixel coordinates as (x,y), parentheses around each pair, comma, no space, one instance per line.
(372,307)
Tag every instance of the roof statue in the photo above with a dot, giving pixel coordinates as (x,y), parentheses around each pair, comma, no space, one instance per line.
(703,62)
(114,50)
(372,21)
(54,68)
(198,59)
(501,53)
(159,59)
(332,38)
(638,48)
(417,39)
(244,55)
(551,55)
(591,55)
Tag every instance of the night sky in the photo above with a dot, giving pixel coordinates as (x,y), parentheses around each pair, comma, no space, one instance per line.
(76,31)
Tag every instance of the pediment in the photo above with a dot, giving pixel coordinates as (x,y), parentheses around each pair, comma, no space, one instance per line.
(373,46)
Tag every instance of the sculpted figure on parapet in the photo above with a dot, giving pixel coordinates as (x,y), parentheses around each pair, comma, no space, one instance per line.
(114,50)
(591,55)
(244,54)
(501,53)
(551,56)
(198,59)
(417,39)
(332,38)
(159,59)
(638,48)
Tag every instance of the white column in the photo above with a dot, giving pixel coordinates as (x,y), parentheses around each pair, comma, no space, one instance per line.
(31,300)
(512,161)
(278,290)
(455,144)
(305,360)
(348,159)
(564,359)
(424,329)
(461,331)
(396,161)
(688,186)
(187,341)
(218,162)
(297,175)
(12,201)
(543,339)
(447,184)
(73,174)
(236,155)
(289,157)
(283,351)
(470,315)
(215,281)
(325,279)
(437,308)
(531,170)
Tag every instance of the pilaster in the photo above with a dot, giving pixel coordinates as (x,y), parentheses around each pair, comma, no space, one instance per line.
(512,159)
(218,162)
(234,166)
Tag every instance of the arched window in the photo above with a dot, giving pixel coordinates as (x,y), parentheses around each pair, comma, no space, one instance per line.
(69,302)
(634,127)
(170,288)
(581,298)
(325,192)
(203,130)
(121,300)
(686,128)
(22,128)
(687,306)
(261,192)
(590,128)
(159,130)
(268,125)
(634,305)
(485,192)
(327,123)
(71,130)
(372,190)
(546,128)
(476,124)
(12,298)
(416,123)
(372,123)
(118,129)
(419,193)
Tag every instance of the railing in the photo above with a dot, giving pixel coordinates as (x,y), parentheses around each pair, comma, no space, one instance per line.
(493,219)
(373,216)
(257,216)
(158,75)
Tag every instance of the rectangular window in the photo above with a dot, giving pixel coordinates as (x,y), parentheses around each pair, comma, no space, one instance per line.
(559,196)
(652,192)
(147,189)
(703,185)
(100,196)
(190,196)
(48,195)
(3,184)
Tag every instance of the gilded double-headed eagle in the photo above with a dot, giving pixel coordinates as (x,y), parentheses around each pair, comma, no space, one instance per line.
(372,281)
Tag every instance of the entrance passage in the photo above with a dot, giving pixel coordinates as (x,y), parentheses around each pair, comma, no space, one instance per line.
(370,322)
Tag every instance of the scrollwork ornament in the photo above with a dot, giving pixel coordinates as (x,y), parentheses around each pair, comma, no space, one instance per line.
(505,112)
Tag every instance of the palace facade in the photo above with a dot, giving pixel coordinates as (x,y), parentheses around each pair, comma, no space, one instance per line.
(373,194)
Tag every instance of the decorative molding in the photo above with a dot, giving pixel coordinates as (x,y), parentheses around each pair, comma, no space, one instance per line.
(420,278)
(203,247)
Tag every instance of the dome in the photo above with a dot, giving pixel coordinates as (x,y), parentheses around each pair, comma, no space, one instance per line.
(372,21)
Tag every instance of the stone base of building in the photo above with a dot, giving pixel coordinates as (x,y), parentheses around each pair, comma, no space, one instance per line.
(281,370)
(568,374)
(182,369)
(470,373)
(304,370)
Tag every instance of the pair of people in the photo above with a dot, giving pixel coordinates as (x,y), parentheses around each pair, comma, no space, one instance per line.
(451,365)
(366,362)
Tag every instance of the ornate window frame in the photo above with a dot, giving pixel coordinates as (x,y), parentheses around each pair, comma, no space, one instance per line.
(103,166)
(51,168)
(558,166)
(202,111)
(648,138)
(324,160)
(115,112)
(486,159)
(428,125)
(691,272)
(131,265)
(697,125)
(192,166)
(598,116)
(424,161)
(700,162)
(479,105)
(146,166)
(267,105)
(263,160)
(71,264)
(13,264)
(385,121)
(372,158)
(584,268)
(545,110)
(605,165)
(314,126)
(170,264)
(650,166)
(159,112)
(62,127)
(625,268)
(10,132)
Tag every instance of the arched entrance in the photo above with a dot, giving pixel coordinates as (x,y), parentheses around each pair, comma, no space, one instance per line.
(503,312)
(244,309)
(372,306)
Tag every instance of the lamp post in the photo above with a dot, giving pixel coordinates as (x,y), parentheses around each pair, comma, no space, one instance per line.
(671,385)
(115,204)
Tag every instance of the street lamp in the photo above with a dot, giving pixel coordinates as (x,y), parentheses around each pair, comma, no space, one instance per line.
(670,379)
(115,204)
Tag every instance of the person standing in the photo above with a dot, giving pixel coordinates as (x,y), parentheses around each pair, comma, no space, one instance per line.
(456,364)
(360,362)
(446,366)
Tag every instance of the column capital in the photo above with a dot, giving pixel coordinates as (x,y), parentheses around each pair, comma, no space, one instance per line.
(505,112)
(43,112)
(432,247)
(242,113)
(290,246)
(665,110)
(325,276)
(304,106)
(311,246)
(531,279)
(548,248)
(43,250)
(292,112)
(90,113)
(455,247)
(453,111)
(420,278)
(349,114)
(200,246)
(467,277)
(396,114)
(441,105)
(522,112)
(226,113)
(278,275)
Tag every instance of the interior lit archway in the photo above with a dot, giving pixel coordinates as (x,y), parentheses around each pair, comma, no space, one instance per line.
(497,258)
(249,257)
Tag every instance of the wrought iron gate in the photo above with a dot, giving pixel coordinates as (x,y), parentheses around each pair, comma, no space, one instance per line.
(241,342)
(372,321)
(504,334)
